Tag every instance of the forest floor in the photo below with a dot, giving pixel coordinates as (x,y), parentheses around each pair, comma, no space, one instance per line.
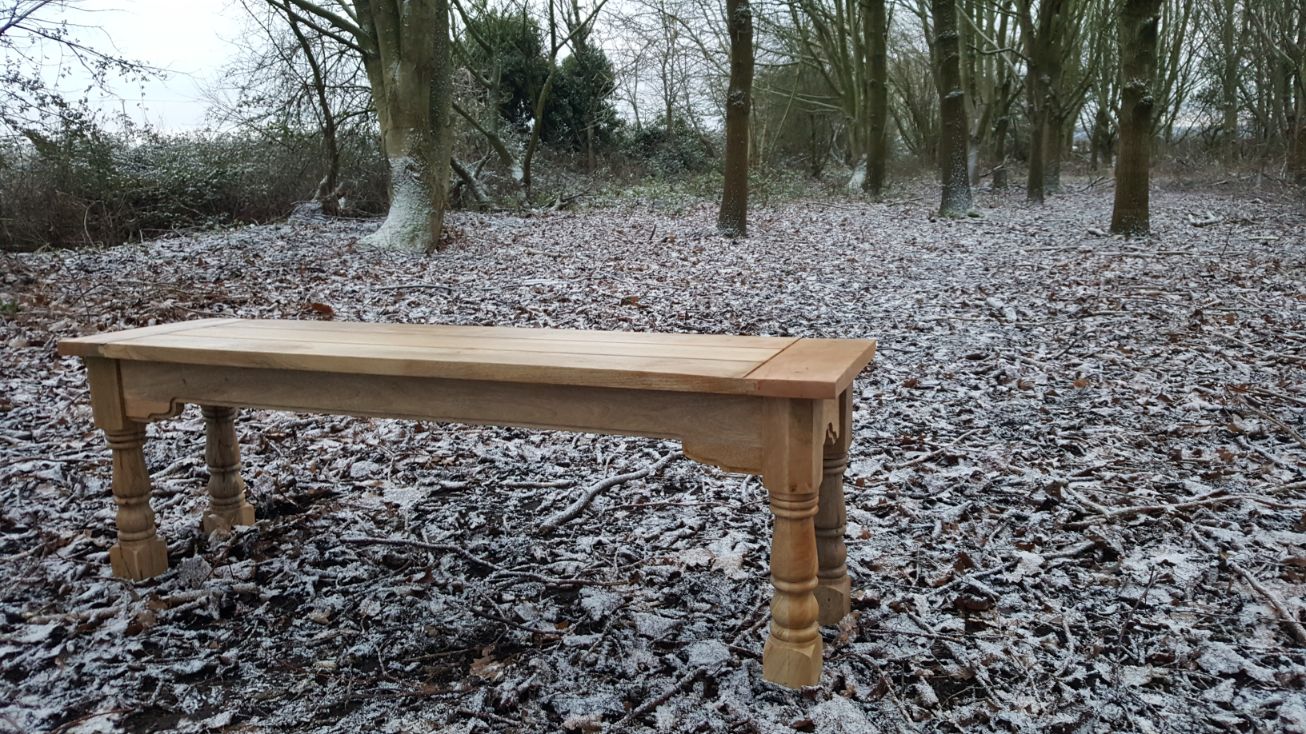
(1077,495)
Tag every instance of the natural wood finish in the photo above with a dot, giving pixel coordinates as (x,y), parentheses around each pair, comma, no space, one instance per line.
(834,589)
(773,366)
(813,368)
(778,407)
(227,503)
(794,432)
(151,389)
(139,552)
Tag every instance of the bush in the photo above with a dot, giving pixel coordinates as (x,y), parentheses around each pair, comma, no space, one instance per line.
(85,186)
(671,150)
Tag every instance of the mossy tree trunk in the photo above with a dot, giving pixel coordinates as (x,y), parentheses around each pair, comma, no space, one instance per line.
(1139,21)
(954,136)
(733,217)
(406,51)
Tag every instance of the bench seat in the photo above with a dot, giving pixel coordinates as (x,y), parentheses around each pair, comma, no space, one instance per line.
(779,407)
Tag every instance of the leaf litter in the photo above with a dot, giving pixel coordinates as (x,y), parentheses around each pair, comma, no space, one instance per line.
(1076,496)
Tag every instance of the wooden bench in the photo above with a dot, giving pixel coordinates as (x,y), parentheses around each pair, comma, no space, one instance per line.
(778,407)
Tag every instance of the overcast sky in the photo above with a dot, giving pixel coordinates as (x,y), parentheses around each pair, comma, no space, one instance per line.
(191,39)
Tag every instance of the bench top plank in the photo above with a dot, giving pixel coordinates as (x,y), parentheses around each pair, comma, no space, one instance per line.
(741,365)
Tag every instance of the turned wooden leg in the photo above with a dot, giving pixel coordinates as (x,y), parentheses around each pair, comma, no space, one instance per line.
(139,553)
(227,503)
(834,590)
(792,471)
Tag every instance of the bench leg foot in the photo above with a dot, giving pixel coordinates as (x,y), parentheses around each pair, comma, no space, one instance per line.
(139,552)
(227,503)
(792,656)
(834,590)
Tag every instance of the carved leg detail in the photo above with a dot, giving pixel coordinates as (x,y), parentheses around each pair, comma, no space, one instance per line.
(792,656)
(834,590)
(227,503)
(139,553)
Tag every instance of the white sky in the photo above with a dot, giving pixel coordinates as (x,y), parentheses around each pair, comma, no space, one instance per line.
(191,39)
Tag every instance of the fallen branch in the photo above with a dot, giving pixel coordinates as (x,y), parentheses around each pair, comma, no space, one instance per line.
(1128,512)
(572,511)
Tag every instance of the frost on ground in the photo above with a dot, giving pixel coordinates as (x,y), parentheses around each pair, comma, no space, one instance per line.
(1077,496)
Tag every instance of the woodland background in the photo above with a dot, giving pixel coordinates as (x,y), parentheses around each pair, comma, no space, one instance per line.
(560,103)
(1077,489)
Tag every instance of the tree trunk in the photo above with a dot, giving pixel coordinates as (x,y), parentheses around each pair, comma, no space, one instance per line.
(1298,167)
(1053,148)
(1229,80)
(1034,189)
(1139,20)
(954,134)
(412,88)
(877,151)
(733,217)
(1000,153)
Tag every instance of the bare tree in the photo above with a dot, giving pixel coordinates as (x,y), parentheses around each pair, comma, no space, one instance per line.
(293,78)
(1139,26)
(36,43)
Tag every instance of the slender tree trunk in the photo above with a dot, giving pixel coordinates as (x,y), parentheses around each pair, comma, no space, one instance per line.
(877,151)
(1000,152)
(954,135)
(1139,20)
(1298,167)
(1299,87)
(1034,185)
(1229,80)
(733,217)
(326,195)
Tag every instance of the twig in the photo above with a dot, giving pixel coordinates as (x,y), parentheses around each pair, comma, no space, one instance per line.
(1277,461)
(1280,608)
(491,718)
(1266,416)
(555,484)
(688,678)
(684,682)
(937,452)
(1274,601)
(504,620)
(1104,514)
(473,558)
(576,508)
(415,286)
(1264,352)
